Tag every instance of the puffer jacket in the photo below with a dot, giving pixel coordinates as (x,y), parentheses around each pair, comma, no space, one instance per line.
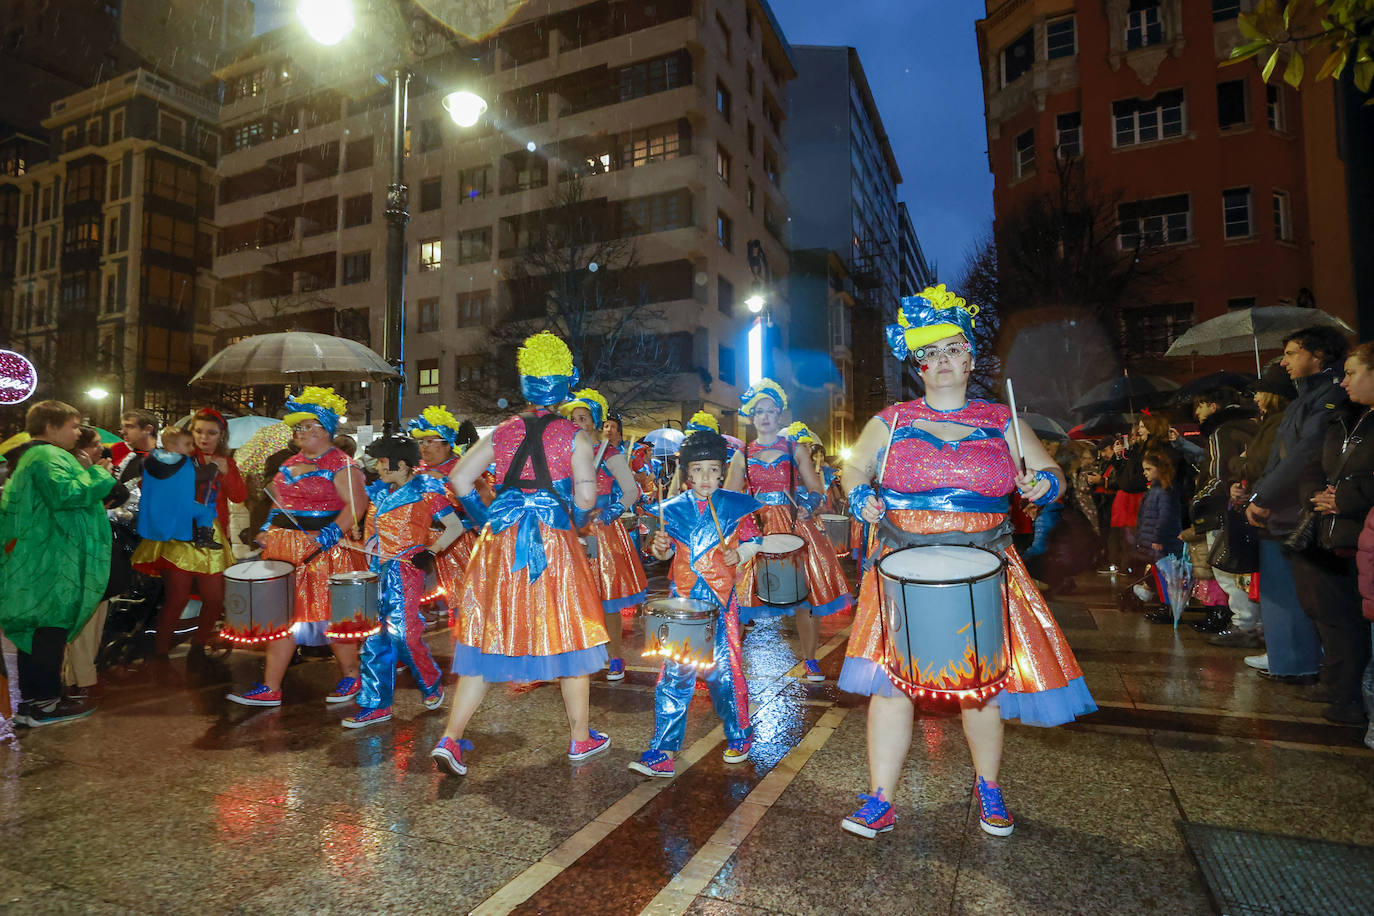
(1228,432)
(1159,521)
(1364,561)
(1347,463)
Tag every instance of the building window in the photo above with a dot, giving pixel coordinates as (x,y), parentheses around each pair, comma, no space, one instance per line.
(1223,10)
(1142,24)
(749,79)
(1068,134)
(723,100)
(1061,38)
(1232,110)
(431,254)
(770,166)
(357,211)
(117,126)
(1018,58)
(474,183)
(111,292)
(357,267)
(749,193)
(1149,330)
(722,164)
(430,137)
(1146,120)
(1024,157)
(1273,100)
(113,235)
(749,136)
(468,368)
(1157,221)
(429,315)
(655,213)
(725,34)
(1235,209)
(725,231)
(653,76)
(431,194)
(652,144)
(725,360)
(116,181)
(427,376)
(474,245)
(1283,218)
(1241,302)
(45,205)
(359,154)
(472,308)
(725,296)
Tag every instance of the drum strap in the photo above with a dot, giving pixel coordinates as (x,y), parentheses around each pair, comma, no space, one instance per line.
(995,539)
(532,450)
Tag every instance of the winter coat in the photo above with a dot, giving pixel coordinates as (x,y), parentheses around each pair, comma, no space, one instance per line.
(1348,464)
(1159,520)
(1297,446)
(1364,562)
(169,511)
(54,542)
(1227,433)
(1251,467)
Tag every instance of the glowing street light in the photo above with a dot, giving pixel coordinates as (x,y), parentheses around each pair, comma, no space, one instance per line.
(465,108)
(97,393)
(755,303)
(326,21)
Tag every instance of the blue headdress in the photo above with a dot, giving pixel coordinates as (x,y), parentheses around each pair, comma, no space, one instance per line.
(547,373)
(936,313)
(318,403)
(435,421)
(765,388)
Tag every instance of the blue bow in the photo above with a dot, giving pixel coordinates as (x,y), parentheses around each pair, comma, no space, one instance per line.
(547,390)
(528,509)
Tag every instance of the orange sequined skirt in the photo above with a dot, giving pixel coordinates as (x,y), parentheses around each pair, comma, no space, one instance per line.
(452,564)
(827,589)
(618,568)
(312,579)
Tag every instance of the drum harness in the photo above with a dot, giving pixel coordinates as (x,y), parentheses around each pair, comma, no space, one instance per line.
(531,449)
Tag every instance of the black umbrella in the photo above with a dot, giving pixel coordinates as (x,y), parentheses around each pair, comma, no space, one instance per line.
(1214,381)
(1127,393)
(1106,424)
(1044,427)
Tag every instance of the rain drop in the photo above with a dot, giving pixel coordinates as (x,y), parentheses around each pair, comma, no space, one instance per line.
(700,278)
(592,267)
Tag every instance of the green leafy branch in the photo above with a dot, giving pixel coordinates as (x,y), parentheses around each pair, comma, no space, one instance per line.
(1338,33)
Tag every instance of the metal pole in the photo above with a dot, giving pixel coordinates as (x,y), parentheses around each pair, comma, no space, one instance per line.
(397,215)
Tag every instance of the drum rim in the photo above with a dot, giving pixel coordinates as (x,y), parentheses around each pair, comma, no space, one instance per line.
(289,568)
(835,515)
(703,610)
(353,575)
(999,569)
(764,552)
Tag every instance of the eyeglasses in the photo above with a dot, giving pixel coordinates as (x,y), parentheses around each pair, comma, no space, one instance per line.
(305,427)
(934,354)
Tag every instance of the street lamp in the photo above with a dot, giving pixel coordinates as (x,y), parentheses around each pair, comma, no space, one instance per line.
(755,303)
(97,393)
(328,22)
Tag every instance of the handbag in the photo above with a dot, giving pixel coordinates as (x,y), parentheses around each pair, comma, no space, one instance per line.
(1305,535)
(1236,550)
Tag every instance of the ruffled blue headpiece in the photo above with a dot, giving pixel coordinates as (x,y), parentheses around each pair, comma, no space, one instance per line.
(547,390)
(321,403)
(432,422)
(765,387)
(935,314)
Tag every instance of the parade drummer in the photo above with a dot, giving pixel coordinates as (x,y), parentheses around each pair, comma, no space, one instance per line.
(319,497)
(770,469)
(939,470)
(402,546)
(705,420)
(708,532)
(618,569)
(529,609)
(438,433)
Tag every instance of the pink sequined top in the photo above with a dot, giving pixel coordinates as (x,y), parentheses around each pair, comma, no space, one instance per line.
(979,463)
(558,447)
(778,476)
(310,491)
(605,483)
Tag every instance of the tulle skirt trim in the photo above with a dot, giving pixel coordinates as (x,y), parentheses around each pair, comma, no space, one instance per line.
(471,662)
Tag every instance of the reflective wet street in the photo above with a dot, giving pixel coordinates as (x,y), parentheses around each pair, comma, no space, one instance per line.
(176,801)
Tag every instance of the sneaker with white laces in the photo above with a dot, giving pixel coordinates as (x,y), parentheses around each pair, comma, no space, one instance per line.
(258,695)
(595,744)
(874,816)
(616,671)
(436,699)
(448,755)
(1258,662)
(654,763)
(993,816)
(738,751)
(345,690)
(365,717)
(813,670)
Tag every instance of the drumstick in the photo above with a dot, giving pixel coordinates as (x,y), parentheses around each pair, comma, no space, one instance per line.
(1016,427)
(715,518)
(381,556)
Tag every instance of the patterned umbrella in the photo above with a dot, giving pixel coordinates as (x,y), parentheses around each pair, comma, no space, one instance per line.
(252,456)
(294,358)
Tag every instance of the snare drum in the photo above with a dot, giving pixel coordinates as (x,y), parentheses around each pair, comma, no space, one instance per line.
(352,605)
(945,616)
(837,531)
(259,597)
(780,573)
(682,629)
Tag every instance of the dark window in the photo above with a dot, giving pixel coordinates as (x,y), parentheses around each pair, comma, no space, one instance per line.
(1018,58)
(725,231)
(1142,24)
(429,315)
(431,196)
(1024,155)
(725,296)
(655,213)
(430,137)
(723,100)
(1231,104)
(1146,120)
(1149,330)
(357,267)
(658,75)
(474,245)
(472,308)
(474,183)
(1235,207)
(358,154)
(357,210)
(470,368)
(427,376)
(1225,9)
(1060,38)
(725,356)
(1157,221)
(1241,302)
(1068,134)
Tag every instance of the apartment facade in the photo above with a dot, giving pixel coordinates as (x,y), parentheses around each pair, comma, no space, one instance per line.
(667,117)
(1222,170)
(110,284)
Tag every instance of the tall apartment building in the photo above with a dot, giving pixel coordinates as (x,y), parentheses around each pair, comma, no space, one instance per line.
(111,234)
(1243,182)
(670,115)
(835,130)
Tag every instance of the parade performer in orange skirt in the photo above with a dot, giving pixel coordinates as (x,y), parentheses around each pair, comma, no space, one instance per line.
(320,498)
(437,431)
(771,469)
(938,470)
(529,609)
(619,571)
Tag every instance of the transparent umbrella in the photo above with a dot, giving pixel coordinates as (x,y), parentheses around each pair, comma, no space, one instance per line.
(1174,575)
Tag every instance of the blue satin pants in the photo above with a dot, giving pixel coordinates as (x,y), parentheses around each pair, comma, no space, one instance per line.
(401,636)
(729,691)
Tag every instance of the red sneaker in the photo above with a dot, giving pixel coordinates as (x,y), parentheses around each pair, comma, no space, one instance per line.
(595,744)
(874,817)
(345,690)
(258,695)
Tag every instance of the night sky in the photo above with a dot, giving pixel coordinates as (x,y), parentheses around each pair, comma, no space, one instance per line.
(921,58)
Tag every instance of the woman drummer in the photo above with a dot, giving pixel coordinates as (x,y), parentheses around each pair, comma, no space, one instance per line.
(618,569)
(437,432)
(770,469)
(944,468)
(319,498)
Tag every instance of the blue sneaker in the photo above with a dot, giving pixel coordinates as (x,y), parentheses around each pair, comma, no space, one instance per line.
(258,695)
(595,744)
(738,751)
(367,717)
(616,672)
(654,763)
(448,755)
(345,690)
(875,816)
(813,670)
(993,816)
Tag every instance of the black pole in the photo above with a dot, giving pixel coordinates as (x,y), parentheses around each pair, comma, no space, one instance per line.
(397,215)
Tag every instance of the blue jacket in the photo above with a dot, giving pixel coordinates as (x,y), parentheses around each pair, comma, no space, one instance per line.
(1297,447)
(168,510)
(1159,520)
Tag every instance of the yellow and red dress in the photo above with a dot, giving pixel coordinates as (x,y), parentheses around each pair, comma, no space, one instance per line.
(529,609)
(934,487)
(619,571)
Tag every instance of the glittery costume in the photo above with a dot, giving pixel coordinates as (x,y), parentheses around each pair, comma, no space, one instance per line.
(930,486)
(313,502)
(619,571)
(774,484)
(699,571)
(450,565)
(399,525)
(529,608)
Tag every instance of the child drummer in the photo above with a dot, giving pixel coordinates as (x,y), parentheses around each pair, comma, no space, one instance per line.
(707,532)
(401,540)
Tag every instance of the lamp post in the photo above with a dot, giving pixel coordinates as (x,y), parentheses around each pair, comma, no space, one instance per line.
(328,22)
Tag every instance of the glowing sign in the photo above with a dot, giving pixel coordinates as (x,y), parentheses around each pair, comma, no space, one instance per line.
(18,378)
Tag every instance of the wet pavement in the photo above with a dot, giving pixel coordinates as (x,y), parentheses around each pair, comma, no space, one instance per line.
(176,801)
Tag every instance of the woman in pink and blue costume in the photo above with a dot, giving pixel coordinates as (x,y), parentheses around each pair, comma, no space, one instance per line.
(437,431)
(529,609)
(771,469)
(946,479)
